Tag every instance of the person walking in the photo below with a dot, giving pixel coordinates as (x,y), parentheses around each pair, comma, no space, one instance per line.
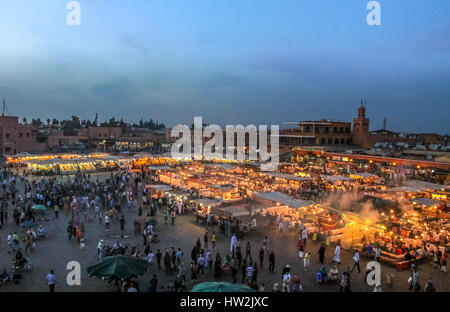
(444,261)
(344,283)
(122,223)
(301,247)
(261,258)
(305,236)
(158,258)
(233,244)
(356,261)
(377,254)
(205,240)
(272,262)
(321,253)
(107,224)
(150,260)
(414,279)
(250,271)
(287,281)
(306,261)
(167,261)
(56,211)
(51,281)
(213,241)
(248,249)
(200,265)
(337,252)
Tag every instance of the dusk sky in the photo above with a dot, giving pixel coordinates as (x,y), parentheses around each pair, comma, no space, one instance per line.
(230,61)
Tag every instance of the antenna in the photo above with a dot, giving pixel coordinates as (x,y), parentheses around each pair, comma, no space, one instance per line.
(4,107)
(384,123)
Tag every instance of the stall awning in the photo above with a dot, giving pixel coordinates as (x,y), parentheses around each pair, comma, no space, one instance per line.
(287,176)
(160,187)
(410,189)
(284,199)
(332,178)
(425,201)
(426,185)
(362,175)
(159,168)
(222,166)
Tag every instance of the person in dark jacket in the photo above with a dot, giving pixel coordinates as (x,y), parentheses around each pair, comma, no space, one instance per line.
(321,253)
(272,262)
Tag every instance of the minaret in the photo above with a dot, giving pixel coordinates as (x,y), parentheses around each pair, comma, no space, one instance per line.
(361,127)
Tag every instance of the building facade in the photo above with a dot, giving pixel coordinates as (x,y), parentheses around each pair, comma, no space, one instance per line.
(316,133)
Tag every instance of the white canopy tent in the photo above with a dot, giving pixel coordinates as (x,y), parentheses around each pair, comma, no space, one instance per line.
(284,199)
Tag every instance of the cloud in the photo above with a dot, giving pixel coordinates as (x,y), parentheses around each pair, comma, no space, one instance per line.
(119,90)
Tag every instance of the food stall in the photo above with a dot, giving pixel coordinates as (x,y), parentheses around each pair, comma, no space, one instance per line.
(158,190)
(203,206)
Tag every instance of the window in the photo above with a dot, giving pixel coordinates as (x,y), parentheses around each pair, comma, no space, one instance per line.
(7,135)
(342,141)
(341,130)
(330,141)
(20,134)
(334,130)
(336,141)
(322,141)
(28,134)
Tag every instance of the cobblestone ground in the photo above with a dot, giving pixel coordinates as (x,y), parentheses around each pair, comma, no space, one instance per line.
(57,250)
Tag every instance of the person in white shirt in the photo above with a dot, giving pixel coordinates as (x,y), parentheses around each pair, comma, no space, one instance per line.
(337,252)
(377,253)
(233,243)
(356,261)
(11,244)
(107,222)
(51,281)
(150,260)
(305,236)
(286,281)
(253,224)
(100,249)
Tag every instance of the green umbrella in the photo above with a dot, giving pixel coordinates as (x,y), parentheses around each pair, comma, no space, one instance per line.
(39,207)
(120,267)
(220,287)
